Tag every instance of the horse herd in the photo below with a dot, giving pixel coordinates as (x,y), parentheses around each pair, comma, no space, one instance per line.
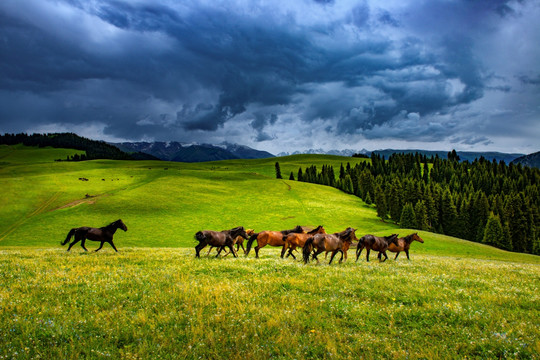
(312,242)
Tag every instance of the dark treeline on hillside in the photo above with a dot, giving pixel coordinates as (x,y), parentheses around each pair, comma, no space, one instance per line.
(94,149)
(482,201)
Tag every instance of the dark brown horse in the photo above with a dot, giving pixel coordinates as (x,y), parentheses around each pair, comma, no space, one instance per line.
(103,234)
(403,244)
(219,239)
(377,243)
(238,241)
(294,240)
(337,242)
(272,238)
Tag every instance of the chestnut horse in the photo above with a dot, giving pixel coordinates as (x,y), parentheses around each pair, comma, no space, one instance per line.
(272,238)
(218,239)
(103,234)
(337,242)
(377,243)
(294,240)
(404,243)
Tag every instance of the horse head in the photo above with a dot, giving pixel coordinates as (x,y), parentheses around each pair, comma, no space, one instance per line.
(239,231)
(392,239)
(318,230)
(298,229)
(120,224)
(416,237)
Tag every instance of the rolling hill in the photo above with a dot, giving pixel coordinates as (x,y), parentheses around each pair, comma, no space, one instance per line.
(165,203)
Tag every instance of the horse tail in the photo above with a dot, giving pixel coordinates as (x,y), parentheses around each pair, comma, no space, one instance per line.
(306,250)
(199,236)
(69,235)
(250,242)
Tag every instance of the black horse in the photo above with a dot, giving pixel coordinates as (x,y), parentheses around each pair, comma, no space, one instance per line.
(103,234)
(219,239)
(377,243)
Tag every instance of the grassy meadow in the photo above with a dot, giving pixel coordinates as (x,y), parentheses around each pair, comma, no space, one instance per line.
(153,299)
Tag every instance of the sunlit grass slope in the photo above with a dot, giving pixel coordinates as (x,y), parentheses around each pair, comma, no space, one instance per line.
(164,203)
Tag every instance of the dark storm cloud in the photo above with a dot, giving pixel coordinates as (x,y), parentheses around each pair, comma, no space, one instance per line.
(162,69)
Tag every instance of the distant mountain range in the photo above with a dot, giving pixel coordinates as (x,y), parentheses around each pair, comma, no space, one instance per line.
(531,160)
(463,155)
(175,151)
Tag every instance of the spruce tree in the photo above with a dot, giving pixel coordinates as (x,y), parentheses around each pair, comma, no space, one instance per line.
(291,177)
(421,216)
(448,214)
(493,233)
(278,171)
(380,203)
(408,217)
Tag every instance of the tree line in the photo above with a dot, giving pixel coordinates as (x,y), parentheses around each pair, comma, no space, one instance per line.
(483,201)
(94,149)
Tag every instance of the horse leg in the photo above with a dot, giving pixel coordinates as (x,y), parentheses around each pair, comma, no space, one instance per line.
(396,255)
(198,249)
(341,260)
(73,243)
(112,244)
(367,254)
(385,256)
(332,257)
(82,244)
(315,253)
(257,251)
(242,245)
(407,252)
(209,250)
(283,249)
(358,252)
(100,246)
(291,254)
(232,251)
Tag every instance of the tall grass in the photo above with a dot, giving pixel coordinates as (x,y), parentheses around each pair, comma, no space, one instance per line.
(164,303)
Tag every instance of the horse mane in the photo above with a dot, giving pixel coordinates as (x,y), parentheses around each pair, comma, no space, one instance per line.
(314,231)
(287,232)
(408,239)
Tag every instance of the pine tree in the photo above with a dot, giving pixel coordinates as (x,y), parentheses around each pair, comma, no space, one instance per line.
(448,214)
(493,233)
(408,217)
(380,203)
(291,177)
(300,176)
(278,171)
(421,216)
(367,200)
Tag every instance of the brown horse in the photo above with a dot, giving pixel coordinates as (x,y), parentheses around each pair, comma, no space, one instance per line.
(272,238)
(377,243)
(238,241)
(294,240)
(103,234)
(404,243)
(337,242)
(219,239)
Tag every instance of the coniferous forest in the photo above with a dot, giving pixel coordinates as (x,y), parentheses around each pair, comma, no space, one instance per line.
(483,201)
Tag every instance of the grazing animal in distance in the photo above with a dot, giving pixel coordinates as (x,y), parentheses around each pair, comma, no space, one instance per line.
(219,239)
(294,240)
(103,234)
(404,243)
(337,242)
(377,243)
(272,238)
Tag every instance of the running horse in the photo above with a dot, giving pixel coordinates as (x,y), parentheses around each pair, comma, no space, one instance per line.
(337,242)
(272,238)
(294,240)
(238,241)
(377,243)
(103,234)
(404,243)
(219,239)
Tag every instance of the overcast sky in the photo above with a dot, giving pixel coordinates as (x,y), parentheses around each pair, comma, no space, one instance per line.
(279,75)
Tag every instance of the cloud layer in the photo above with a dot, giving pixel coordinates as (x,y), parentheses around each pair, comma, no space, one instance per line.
(275,75)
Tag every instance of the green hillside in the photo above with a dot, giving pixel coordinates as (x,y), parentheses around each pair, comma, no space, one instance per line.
(165,203)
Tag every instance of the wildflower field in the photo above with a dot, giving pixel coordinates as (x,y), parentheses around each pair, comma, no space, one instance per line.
(164,303)
(153,299)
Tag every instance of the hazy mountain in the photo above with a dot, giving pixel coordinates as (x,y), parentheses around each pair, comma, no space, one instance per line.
(175,151)
(464,155)
(531,160)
